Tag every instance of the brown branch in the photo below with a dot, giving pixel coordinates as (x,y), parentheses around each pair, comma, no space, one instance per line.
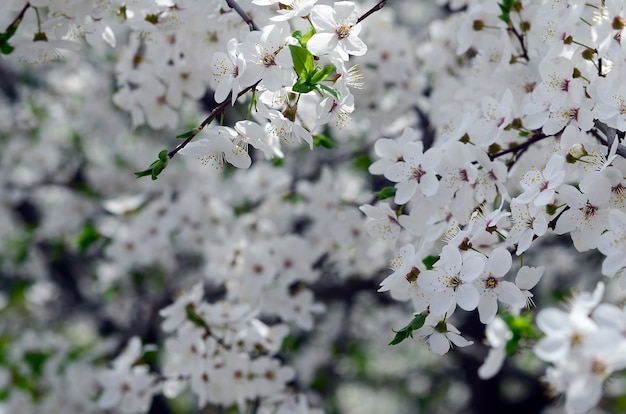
(374,9)
(521,147)
(236,7)
(218,110)
(520,39)
(16,22)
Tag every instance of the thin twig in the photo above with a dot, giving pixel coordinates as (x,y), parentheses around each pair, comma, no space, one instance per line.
(520,147)
(520,39)
(218,110)
(374,9)
(18,19)
(236,7)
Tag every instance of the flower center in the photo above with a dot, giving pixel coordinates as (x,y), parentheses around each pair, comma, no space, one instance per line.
(454,282)
(343,31)
(268,60)
(491,282)
(589,210)
(412,275)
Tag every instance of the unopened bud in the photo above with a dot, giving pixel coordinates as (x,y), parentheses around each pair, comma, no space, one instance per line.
(525,26)
(494,149)
(551,209)
(568,40)
(588,54)
(577,151)
(618,23)
(478,25)
(576,73)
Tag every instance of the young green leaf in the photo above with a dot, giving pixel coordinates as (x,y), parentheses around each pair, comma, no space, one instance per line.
(328,90)
(321,140)
(156,167)
(407,331)
(303,61)
(385,193)
(305,38)
(188,134)
(321,74)
(301,86)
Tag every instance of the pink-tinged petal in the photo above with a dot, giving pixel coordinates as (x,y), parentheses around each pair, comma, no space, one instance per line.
(439,344)
(321,43)
(487,307)
(467,296)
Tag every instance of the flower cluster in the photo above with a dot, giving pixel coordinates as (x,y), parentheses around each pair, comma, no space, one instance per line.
(499,129)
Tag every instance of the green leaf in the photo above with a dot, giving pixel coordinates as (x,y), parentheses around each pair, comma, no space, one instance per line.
(505,8)
(305,38)
(362,162)
(321,74)
(298,36)
(407,331)
(156,167)
(192,316)
(88,236)
(328,90)
(385,193)
(187,134)
(163,155)
(6,48)
(321,140)
(302,86)
(303,61)
(429,261)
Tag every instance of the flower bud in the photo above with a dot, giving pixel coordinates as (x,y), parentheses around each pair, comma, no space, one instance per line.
(478,25)
(577,151)
(618,23)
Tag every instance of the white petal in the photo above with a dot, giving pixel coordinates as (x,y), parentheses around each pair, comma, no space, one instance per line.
(439,344)
(492,363)
(467,296)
